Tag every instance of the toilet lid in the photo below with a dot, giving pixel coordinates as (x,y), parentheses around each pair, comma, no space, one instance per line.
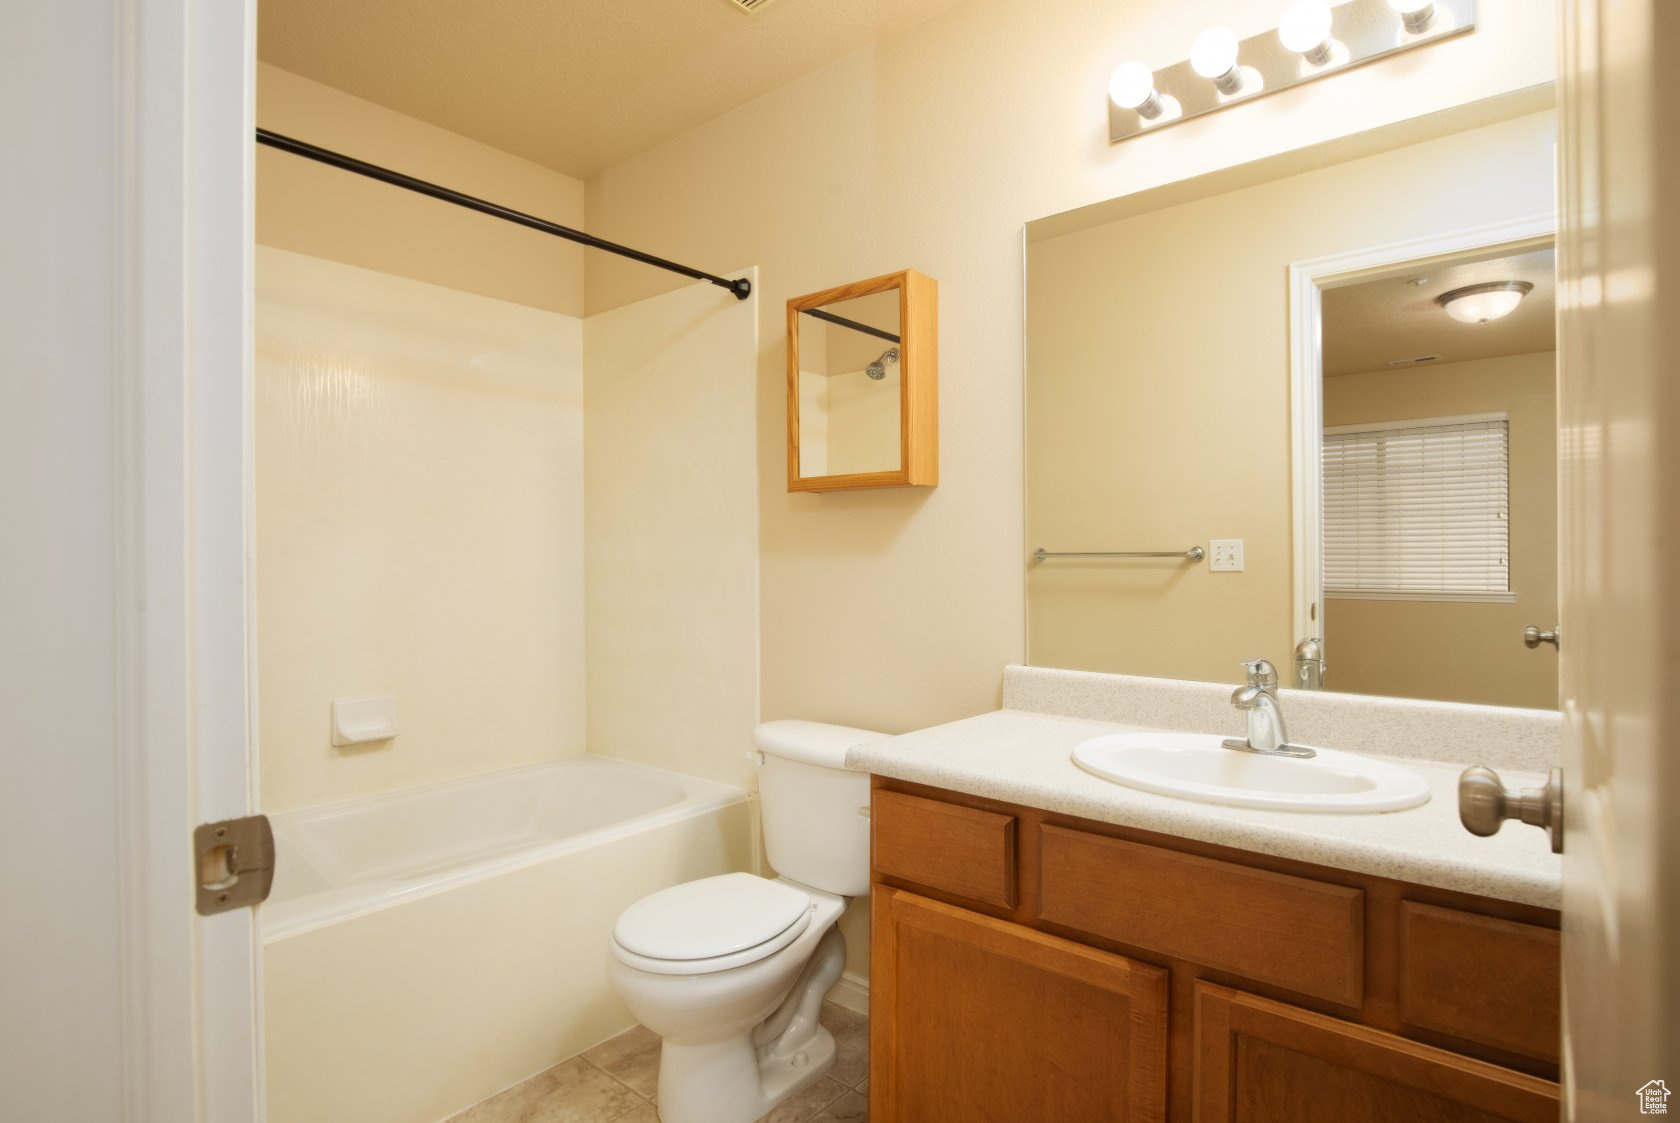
(710,917)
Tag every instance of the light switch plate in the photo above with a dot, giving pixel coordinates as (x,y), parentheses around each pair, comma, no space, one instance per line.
(1226,555)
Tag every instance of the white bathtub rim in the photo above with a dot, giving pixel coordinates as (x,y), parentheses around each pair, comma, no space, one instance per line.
(704,796)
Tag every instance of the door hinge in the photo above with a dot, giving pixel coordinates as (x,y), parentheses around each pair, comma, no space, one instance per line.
(235,863)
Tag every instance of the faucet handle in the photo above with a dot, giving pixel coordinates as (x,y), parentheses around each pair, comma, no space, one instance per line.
(1261,672)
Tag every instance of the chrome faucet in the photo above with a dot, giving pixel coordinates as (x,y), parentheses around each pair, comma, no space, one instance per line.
(1266,732)
(1309,664)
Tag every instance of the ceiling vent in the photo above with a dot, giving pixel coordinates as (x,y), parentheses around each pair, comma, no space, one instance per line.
(1414,361)
(750,6)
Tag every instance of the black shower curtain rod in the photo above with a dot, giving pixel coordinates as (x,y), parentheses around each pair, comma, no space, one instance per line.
(866,329)
(740,286)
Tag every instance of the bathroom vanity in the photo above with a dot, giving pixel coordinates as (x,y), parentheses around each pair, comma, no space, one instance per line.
(1079,951)
(1049,944)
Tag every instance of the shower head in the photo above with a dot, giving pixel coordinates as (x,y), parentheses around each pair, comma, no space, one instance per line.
(878,369)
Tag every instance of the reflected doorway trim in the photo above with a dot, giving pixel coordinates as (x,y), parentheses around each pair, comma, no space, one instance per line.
(1307,280)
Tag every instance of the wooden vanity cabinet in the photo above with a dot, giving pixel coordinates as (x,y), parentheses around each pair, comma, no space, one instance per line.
(1033,966)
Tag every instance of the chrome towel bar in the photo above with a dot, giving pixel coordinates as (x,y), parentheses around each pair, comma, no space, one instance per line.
(1194,553)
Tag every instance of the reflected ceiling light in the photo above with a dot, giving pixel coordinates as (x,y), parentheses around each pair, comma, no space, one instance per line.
(1477,304)
(1133,87)
(1214,56)
(1306,31)
(1417,15)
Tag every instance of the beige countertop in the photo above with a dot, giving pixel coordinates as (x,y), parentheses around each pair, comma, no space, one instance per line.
(1024,757)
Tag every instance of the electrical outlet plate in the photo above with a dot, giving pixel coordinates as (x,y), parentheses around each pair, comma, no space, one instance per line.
(1225,555)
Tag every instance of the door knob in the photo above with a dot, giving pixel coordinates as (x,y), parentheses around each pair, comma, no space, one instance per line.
(1534,637)
(1484,803)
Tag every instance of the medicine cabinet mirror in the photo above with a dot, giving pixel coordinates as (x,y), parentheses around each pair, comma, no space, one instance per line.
(863,377)
(1271,380)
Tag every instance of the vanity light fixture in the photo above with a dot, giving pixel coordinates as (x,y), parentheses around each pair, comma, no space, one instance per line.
(1477,304)
(1133,87)
(1214,56)
(1306,31)
(1314,39)
(1415,15)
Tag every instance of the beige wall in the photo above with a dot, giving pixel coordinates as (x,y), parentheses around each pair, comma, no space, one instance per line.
(419,512)
(671,532)
(1158,394)
(896,609)
(333,214)
(863,420)
(1455,651)
(813,423)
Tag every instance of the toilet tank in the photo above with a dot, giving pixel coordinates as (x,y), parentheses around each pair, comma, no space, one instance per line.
(812,806)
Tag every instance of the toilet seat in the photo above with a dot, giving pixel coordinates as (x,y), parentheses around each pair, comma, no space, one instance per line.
(710,925)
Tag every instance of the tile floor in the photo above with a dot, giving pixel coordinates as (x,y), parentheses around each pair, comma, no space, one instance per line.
(618,1080)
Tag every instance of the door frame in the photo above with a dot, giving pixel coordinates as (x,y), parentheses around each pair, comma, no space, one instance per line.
(184,655)
(1307,281)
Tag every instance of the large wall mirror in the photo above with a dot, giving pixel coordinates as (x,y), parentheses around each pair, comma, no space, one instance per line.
(1305,411)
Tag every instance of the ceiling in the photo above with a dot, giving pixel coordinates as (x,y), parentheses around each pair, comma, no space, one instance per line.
(1369,324)
(575,86)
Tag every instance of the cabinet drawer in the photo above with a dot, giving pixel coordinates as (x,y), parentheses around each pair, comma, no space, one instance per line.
(1492,981)
(1305,936)
(953,849)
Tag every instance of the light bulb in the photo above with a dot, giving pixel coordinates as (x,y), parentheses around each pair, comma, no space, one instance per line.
(1214,56)
(1417,15)
(1133,87)
(1306,30)
(1477,304)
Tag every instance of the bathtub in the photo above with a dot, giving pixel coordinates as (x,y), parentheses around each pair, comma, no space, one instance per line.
(426,949)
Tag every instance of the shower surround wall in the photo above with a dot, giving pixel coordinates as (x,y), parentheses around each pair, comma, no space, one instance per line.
(420,498)
(418,514)
(671,531)
(419,528)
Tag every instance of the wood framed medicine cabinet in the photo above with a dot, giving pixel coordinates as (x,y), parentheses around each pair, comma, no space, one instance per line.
(863,385)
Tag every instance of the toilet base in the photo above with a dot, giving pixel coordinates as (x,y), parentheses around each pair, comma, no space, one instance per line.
(783,1077)
(741,1077)
(731,1082)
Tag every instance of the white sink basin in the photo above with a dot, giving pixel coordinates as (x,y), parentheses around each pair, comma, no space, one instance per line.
(1197,766)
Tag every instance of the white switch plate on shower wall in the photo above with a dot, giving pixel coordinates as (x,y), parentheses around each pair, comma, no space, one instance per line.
(1225,555)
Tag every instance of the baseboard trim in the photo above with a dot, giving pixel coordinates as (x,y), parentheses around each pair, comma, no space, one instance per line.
(852,992)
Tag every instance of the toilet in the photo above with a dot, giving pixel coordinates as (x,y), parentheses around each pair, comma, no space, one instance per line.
(730,971)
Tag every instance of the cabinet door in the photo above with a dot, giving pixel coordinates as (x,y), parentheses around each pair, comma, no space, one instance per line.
(1261,1061)
(975,1020)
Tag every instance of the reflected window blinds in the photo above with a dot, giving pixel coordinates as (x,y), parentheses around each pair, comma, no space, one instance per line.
(1418,509)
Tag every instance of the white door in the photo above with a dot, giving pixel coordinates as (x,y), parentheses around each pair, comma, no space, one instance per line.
(1619,507)
(125,247)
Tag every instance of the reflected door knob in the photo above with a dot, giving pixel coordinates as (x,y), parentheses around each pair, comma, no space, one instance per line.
(1484,803)
(1534,637)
